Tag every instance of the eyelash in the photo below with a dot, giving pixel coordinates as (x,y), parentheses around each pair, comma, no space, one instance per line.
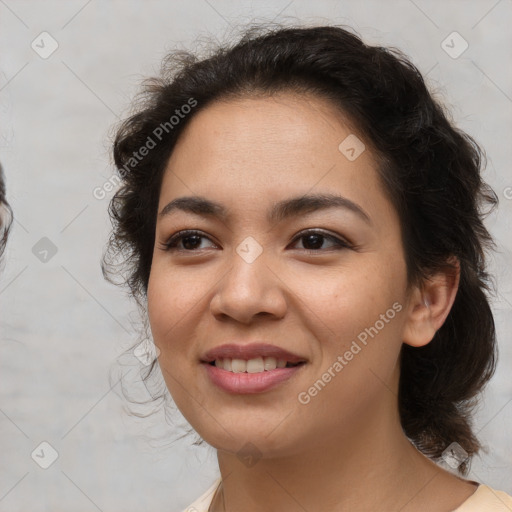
(340,244)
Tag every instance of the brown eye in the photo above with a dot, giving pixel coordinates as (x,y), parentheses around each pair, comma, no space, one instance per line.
(314,241)
(187,241)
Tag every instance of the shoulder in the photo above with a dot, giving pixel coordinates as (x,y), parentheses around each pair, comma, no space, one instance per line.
(485,496)
(202,504)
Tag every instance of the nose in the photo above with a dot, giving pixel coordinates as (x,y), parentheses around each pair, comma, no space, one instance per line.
(249,291)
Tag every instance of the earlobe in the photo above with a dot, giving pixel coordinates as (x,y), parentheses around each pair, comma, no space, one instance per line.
(430,304)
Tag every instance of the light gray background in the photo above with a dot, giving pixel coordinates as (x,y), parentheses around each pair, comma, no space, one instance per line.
(63,326)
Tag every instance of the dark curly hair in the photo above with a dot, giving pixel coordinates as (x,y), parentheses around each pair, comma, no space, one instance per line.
(5,214)
(429,168)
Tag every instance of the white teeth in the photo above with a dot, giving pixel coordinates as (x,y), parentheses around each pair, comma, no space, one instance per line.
(238,366)
(270,363)
(256,365)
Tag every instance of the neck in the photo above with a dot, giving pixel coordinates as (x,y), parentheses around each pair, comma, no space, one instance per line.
(372,467)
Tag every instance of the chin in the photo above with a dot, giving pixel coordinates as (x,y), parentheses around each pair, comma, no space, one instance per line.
(262,440)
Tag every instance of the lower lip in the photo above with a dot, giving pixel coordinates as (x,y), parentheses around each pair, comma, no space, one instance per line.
(247,383)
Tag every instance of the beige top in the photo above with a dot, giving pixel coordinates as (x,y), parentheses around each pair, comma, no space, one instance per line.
(484,499)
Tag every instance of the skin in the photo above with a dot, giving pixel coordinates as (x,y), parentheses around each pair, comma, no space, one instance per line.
(247,154)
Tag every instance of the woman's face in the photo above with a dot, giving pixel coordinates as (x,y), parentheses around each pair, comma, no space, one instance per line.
(298,258)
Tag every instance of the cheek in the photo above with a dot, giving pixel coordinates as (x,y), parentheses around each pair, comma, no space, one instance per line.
(356,313)
(171,303)
(363,317)
(172,298)
(348,299)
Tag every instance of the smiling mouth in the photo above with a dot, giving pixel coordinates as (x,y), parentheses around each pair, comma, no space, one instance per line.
(255,365)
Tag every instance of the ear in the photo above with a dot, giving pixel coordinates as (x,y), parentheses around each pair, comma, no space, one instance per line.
(430,303)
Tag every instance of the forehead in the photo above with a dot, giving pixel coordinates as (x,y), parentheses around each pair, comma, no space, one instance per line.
(283,125)
(269,147)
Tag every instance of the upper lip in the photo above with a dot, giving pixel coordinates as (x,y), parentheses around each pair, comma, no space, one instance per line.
(250,351)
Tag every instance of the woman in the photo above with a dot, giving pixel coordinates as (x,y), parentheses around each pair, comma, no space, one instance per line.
(304,226)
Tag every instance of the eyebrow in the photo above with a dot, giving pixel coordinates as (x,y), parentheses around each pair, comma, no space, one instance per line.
(279,211)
